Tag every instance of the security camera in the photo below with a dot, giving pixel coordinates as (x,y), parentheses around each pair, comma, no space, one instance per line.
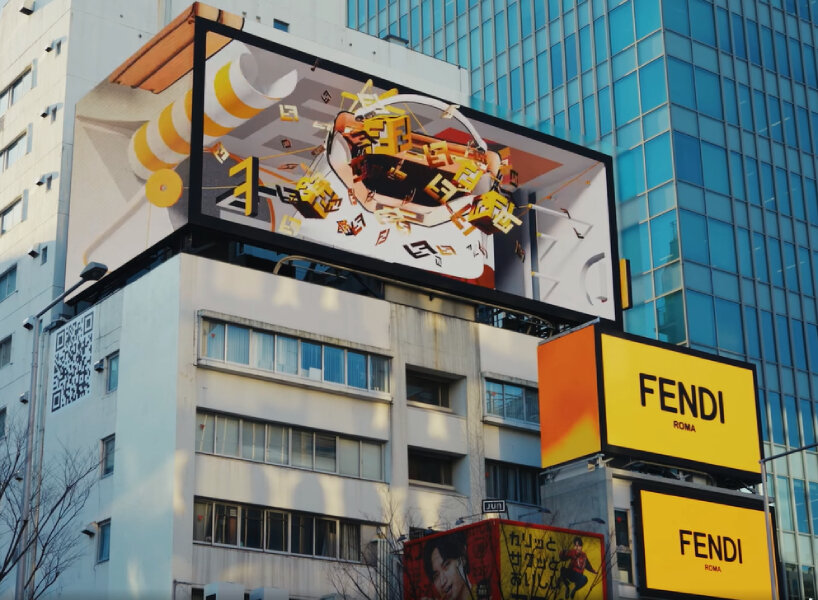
(29,323)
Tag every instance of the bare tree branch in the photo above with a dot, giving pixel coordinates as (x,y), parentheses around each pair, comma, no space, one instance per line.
(52,539)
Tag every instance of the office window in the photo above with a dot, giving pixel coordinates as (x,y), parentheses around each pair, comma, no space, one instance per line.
(104,541)
(8,283)
(11,153)
(108,447)
(2,423)
(281,25)
(426,467)
(5,351)
(279,353)
(282,445)
(11,215)
(14,91)
(427,389)
(112,379)
(203,521)
(226,524)
(514,483)
(513,402)
(276,530)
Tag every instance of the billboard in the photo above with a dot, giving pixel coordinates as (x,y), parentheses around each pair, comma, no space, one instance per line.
(640,398)
(701,547)
(498,559)
(301,155)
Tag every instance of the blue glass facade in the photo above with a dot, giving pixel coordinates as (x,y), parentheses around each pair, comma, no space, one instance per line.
(710,109)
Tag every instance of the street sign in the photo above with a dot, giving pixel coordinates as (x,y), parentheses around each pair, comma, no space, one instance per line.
(494,506)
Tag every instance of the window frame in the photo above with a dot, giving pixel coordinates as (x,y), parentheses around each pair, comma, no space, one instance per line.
(112,368)
(338,529)
(497,471)
(375,370)
(5,351)
(3,420)
(203,445)
(104,541)
(10,93)
(108,453)
(6,151)
(437,385)
(529,408)
(11,207)
(5,277)
(428,457)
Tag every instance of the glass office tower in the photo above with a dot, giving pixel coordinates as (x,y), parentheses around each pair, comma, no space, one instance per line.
(710,109)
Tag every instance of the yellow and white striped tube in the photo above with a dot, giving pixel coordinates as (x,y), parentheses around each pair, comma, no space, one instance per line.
(236,93)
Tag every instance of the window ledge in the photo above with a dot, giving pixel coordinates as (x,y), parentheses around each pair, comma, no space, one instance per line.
(424,405)
(293,380)
(520,425)
(437,487)
(296,467)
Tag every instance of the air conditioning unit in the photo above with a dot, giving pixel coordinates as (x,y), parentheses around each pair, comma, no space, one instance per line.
(269,593)
(223,590)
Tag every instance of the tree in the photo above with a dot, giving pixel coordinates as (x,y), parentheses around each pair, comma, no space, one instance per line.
(51,539)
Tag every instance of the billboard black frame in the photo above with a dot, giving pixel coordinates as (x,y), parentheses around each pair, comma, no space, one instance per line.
(411,276)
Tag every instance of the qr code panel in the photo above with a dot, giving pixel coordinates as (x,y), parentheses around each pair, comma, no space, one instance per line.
(72,361)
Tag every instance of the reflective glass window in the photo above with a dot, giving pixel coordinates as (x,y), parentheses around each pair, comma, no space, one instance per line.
(701,321)
(670,318)
(722,248)
(799,348)
(687,158)
(694,237)
(680,81)
(767,51)
(626,99)
(753,44)
(751,329)
(631,171)
(701,22)
(708,93)
(647,17)
(714,163)
(664,238)
(724,30)
(659,167)
(776,418)
(675,16)
(652,85)
(620,21)
(768,336)
(782,61)
(782,334)
(729,326)
(738,36)
(795,60)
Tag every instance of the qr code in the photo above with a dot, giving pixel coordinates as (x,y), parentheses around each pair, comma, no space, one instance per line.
(72,361)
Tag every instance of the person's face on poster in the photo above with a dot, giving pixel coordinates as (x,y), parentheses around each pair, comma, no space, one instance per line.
(448,577)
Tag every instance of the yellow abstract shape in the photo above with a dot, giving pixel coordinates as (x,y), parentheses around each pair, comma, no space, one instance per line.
(316,193)
(288,112)
(390,134)
(244,189)
(493,212)
(437,154)
(468,175)
(227,96)
(440,189)
(213,129)
(163,188)
(168,133)
(289,225)
(144,153)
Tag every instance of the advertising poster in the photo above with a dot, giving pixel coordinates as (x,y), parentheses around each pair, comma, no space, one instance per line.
(702,547)
(498,559)
(644,399)
(298,154)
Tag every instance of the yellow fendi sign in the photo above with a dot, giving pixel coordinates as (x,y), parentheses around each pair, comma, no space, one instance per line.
(705,548)
(676,404)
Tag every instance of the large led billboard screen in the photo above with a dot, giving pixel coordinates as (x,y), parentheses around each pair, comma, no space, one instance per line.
(615,393)
(702,547)
(497,559)
(299,154)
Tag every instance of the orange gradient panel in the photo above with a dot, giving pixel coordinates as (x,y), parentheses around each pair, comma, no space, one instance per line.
(569,405)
